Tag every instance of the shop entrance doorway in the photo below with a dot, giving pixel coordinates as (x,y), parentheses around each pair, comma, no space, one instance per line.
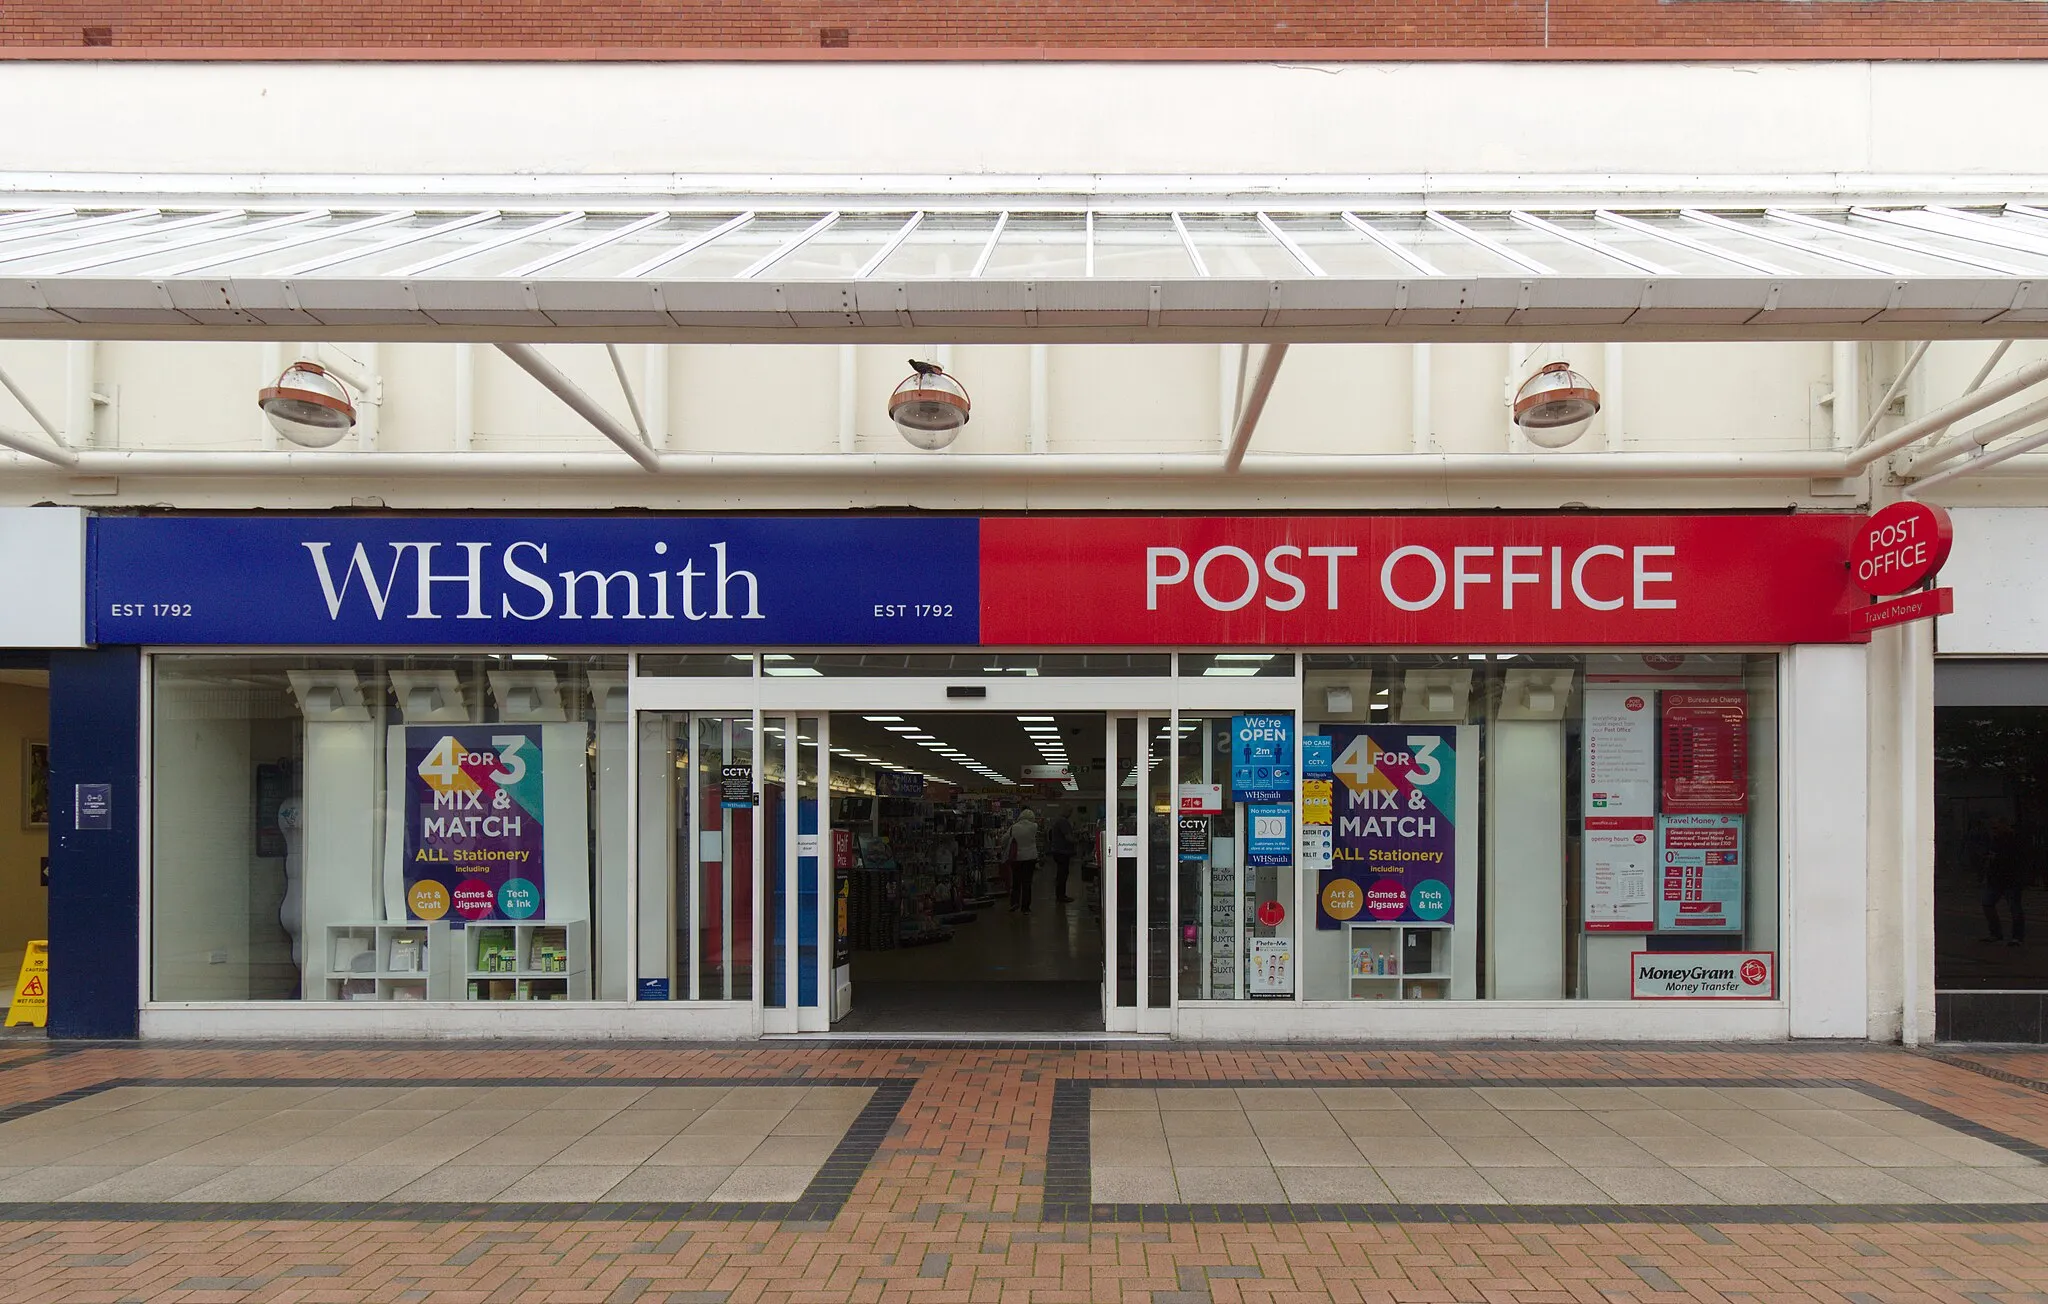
(966,846)
(841,855)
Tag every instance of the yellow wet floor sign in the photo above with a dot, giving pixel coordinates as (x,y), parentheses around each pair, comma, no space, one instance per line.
(32,990)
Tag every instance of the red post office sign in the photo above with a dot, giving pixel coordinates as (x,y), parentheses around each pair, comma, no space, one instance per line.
(1450,581)
(1899,546)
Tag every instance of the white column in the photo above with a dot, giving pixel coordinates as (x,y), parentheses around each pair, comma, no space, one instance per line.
(1823,811)
(654,394)
(465,397)
(1846,411)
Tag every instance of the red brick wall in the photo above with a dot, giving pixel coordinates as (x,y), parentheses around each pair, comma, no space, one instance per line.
(1021,28)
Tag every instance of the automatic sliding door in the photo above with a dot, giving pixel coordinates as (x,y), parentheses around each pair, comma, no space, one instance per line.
(1139,886)
(697,864)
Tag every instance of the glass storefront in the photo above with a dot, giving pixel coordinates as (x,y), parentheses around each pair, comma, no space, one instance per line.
(321,824)
(1427,826)
(1517,826)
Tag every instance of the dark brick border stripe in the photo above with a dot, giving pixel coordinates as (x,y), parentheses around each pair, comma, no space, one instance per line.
(821,1201)
(1988,1071)
(1069,1189)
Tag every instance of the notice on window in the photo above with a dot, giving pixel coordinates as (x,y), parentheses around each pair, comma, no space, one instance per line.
(473,832)
(1701,857)
(1194,837)
(1269,968)
(735,787)
(1618,855)
(1621,753)
(1620,866)
(1706,753)
(1395,801)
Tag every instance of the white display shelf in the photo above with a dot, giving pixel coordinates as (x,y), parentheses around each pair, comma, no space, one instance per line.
(520,980)
(381,980)
(1376,955)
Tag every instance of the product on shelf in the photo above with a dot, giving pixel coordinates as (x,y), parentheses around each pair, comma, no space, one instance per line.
(405,955)
(496,951)
(548,951)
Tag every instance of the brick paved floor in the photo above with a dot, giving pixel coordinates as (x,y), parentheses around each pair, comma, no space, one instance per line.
(965,1193)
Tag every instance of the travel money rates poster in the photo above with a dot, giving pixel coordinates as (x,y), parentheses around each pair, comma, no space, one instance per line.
(473,823)
(1395,842)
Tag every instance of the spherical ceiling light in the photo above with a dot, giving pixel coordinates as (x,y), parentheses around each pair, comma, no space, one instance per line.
(308,406)
(1554,406)
(929,407)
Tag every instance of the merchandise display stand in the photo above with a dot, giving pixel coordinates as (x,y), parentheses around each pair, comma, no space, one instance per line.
(539,960)
(388,962)
(1399,962)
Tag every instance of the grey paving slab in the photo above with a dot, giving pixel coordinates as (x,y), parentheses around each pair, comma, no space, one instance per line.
(663,1123)
(1601,1152)
(705,1151)
(1549,1123)
(1311,1122)
(1858,1185)
(1216,1151)
(1129,1152)
(722,1121)
(1697,1152)
(1792,1151)
(564,1182)
(1233,1184)
(55,1182)
(150,1182)
(1110,1100)
(632,1150)
(1339,1185)
(750,1182)
(251,1182)
(469,1183)
(1441,1097)
(1649,1186)
(1147,1184)
(1890,1152)
(1504,1152)
(1757,1185)
(697,1098)
(1205,1122)
(1459,1185)
(500,1150)
(1542,1185)
(596,1097)
(1960,1185)
(1520,1098)
(669,1183)
(1268,1099)
(1453,1123)
(1202,1098)
(1129,1125)
(1311,1152)
(1408,1152)
(807,1121)
(359,1182)
(1338,1099)
(801,1151)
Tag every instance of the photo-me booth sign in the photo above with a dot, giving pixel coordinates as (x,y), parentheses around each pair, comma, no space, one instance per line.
(1306,581)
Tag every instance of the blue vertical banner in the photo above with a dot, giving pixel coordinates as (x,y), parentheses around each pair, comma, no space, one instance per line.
(1262,757)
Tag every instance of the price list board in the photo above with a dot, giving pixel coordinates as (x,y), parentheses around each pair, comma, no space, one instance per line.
(1706,753)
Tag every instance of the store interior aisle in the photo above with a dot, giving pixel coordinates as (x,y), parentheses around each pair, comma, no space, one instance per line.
(1002,973)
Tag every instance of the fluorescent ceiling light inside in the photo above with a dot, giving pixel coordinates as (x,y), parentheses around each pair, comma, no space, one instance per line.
(1220,672)
(901,728)
(793,671)
(777,656)
(883,719)
(1036,719)
(1244,656)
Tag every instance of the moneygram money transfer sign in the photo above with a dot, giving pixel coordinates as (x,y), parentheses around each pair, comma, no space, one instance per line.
(1703,975)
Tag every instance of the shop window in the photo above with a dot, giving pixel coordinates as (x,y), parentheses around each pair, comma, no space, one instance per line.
(1990,843)
(387,828)
(1518,826)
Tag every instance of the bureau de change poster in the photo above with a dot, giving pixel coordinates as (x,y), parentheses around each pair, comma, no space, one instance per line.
(1395,841)
(473,832)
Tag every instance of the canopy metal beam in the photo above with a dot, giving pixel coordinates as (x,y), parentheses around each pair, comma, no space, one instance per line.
(533,364)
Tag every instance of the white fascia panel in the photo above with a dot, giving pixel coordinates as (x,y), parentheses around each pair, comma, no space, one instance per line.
(42,589)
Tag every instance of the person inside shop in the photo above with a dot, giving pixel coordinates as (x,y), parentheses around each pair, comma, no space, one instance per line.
(2004,876)
(1020,848)
(1059,844)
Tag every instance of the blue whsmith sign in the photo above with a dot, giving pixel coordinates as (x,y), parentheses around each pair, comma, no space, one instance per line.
(599,580)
